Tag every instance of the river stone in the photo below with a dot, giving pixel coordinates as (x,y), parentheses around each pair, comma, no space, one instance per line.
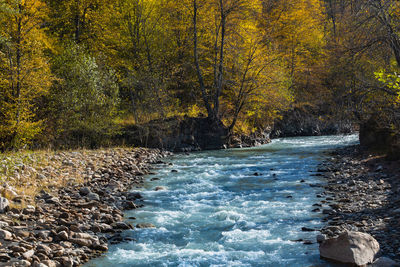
(29,209)
(160,188)
(4,204)
(5,235)
(84,191)
(351,248)
(321,238)
(19,263)
(145,225)
(38,264)
(81,241)
(28,255)
(121,226)
(93,196)
(4,257)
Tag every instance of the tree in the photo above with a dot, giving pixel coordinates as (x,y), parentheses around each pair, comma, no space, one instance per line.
(25,74)
(297,30)
(83,99)
(234,66)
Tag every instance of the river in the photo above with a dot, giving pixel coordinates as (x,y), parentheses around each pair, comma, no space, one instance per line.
(237,207)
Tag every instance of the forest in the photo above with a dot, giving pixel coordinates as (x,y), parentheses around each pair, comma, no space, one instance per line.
(75,72)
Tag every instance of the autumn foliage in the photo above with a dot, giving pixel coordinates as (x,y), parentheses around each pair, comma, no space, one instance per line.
(76,70)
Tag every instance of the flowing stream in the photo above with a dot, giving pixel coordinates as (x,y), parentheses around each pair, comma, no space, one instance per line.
(215,211)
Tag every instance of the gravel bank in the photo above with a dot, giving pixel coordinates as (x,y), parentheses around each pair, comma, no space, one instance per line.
(69,224)
(363,194)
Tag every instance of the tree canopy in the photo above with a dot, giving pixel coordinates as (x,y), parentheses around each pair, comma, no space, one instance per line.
(79,69)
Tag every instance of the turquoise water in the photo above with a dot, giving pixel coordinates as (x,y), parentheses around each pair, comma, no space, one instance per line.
(216,212)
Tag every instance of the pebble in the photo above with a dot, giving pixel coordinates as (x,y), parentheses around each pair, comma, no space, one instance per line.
(5,235)
(4,204)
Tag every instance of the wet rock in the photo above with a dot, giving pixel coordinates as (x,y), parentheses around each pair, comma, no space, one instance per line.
(145,225)
(160,188)
(121,226)
(350,248)
(100,247)
(306,229)
(321,238)
(134,196)
(129,205)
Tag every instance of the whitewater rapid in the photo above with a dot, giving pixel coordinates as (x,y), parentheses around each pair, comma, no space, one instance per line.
(237,207)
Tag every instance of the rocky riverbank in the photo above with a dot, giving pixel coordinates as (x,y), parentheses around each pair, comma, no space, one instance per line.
(363,194)
(69,223)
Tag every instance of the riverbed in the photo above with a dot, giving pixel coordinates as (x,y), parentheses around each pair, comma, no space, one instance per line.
(237,207)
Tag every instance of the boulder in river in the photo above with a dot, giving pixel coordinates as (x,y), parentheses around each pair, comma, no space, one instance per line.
(145,225)
(351,248)
(160,188)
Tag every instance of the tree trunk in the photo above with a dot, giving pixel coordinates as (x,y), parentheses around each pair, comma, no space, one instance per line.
(18,55)
(221,59)
(196,61)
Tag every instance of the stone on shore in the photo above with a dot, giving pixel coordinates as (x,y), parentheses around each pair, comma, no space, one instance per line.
(5,235)
(385,262)
(351,248)
(69,224)
(4,204)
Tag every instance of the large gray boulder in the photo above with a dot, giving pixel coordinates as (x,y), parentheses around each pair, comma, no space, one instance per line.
(351,248)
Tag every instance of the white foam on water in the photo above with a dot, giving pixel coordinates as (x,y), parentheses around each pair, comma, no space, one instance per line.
(217,213)
(238,235)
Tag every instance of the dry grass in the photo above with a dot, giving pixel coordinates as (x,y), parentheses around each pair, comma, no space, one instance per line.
(29,172)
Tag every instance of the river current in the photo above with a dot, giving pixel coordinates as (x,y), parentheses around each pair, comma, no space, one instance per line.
(237,207)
